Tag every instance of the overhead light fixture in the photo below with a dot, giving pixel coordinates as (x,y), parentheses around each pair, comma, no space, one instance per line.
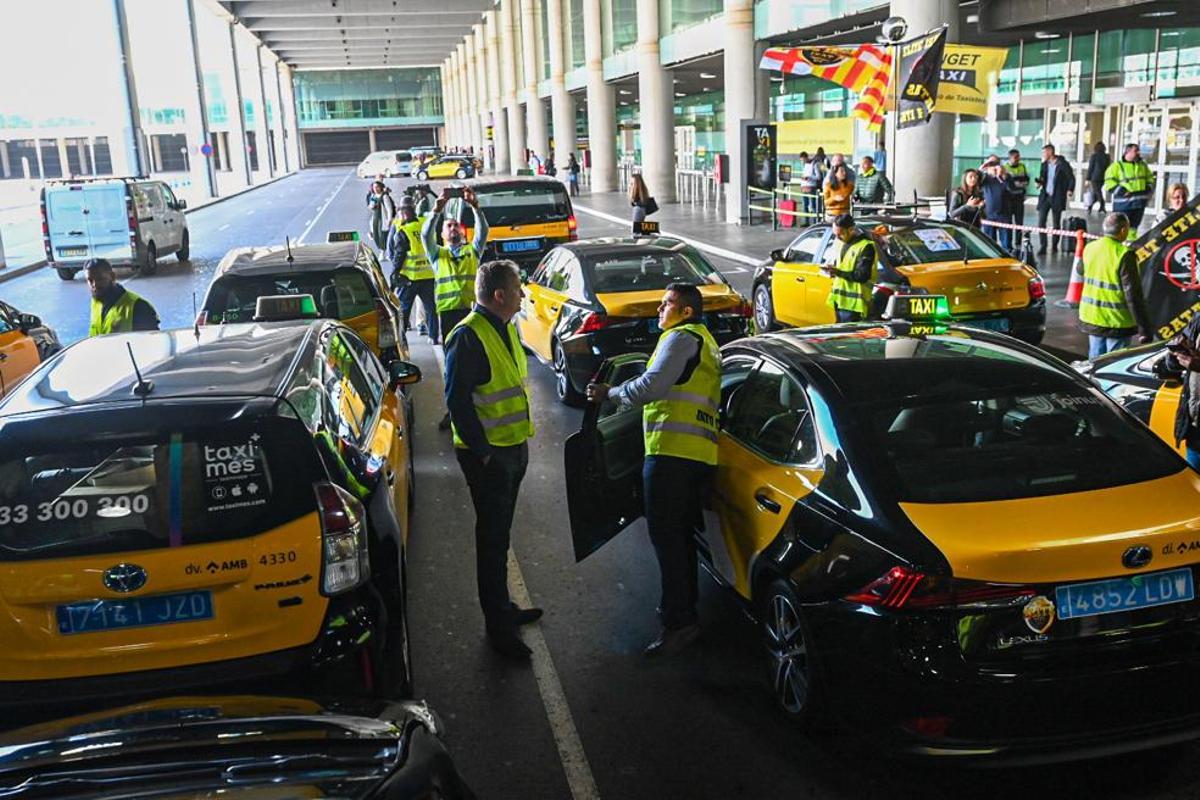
(972,19)
(1153,14)
(777,80)
(707,76)
(680,94)
(675,80)
(1049,50)
(624,91)
(624,103)
(1047,35)
(705,89)
(1170,33)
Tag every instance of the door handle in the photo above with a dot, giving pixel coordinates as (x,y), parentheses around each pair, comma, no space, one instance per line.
(391,477)
(799,279)
(767,503)
(554,308)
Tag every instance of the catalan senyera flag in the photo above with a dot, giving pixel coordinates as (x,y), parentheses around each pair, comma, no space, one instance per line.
(865,70)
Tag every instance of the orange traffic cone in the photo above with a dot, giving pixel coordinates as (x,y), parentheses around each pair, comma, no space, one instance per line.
(1075,285)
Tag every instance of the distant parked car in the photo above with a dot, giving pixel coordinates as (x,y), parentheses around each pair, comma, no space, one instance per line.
(128,221)
(388,163)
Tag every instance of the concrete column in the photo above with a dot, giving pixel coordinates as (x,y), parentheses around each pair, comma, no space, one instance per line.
(262,93)
(198,75)
(491,25)
(450,90)
(283,131)
(131,153)
(601,103)
(562,105)
(464,103)
(472,93)
(508,79)
(482,111)
(739,98)
(240,139)
(539,140)
(656,97)
(447,104)
(925,152)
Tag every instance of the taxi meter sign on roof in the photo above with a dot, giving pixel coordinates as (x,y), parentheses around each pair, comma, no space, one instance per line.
(917,307)
(272,308)
(333,237)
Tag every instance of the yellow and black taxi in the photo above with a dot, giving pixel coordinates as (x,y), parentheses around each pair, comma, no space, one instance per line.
(984,286)
(192,506)
(24,342)
(447,166)
(950,539)
(1137,379)
(526,216)
(344,277)
(257,747)
(597,298)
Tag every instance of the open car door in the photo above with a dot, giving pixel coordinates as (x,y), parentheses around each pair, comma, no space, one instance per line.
(603,462)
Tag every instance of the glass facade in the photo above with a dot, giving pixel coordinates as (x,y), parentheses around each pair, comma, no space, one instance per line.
(363,98)
(575,59)
(622,32)
(675,15)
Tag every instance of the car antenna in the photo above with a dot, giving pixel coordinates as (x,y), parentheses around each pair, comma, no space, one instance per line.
(143,387)
(195,318)
(290,259)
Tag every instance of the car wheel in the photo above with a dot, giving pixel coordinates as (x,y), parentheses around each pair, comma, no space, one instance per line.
(791,663)
(185,247)
(461,173)
(422,175)
(1031,337)
(764,309)
(566,391)
(66,273)
(149,265)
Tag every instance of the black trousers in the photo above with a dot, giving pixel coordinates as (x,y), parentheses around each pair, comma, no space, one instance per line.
(675,489)
(494,488)
(448,319)
(1135,217)
(424,290)
(1045,212)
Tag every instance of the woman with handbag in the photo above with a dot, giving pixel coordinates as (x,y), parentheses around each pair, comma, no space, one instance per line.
(639,197)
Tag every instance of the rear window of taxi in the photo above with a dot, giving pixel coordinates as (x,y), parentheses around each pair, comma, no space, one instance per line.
(523,205)
(116,494)
(935,244)
(340,293)
(653,271)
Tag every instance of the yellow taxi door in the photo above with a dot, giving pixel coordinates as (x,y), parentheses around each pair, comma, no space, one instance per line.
(18,354)
(544,299)
(793,277)
(767,461)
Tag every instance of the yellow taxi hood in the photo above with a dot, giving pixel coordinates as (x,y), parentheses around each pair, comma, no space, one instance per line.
(1068,537)
(717,297)
(987,284)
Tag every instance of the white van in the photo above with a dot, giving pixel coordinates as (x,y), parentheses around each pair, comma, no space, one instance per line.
(128,221)
(388,163)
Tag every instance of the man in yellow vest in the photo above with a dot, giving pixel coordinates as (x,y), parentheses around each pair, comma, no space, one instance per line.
(1132,185)
(855,273)
(412,276)
(115,309)
(1112,309)
(679,393)
(486,392)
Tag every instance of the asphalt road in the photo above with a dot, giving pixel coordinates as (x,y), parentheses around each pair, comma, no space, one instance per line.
(592,719)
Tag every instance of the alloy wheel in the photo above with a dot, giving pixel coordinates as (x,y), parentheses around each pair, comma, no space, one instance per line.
(787,654)
(763,313)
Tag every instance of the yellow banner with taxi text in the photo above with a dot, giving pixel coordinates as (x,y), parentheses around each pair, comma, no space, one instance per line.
(797,136)
(968,75)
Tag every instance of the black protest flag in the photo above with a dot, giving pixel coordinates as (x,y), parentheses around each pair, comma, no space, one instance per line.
(920,73)
(1167,255)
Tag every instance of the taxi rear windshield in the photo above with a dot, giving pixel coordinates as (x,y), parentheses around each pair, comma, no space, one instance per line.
(523,205)
(934,244)
(972,430)
(340,294)
(632,273)
(82,498)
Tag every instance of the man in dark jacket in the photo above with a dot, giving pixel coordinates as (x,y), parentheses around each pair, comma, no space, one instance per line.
(995,200)
(1097,167)
(1057,182)
(1182,364)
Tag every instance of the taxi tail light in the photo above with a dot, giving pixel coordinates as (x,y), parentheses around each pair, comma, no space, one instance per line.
(594,322)
(387,333)
(344,560)
(572,228)
(1037,288)
(904,589)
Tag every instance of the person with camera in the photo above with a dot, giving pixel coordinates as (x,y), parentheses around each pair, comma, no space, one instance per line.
(412,276)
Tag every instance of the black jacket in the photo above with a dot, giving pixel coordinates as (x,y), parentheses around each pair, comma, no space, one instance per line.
(1064,182)
(1097,166)
(1170,368)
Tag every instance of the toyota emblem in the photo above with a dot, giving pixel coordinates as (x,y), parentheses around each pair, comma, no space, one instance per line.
(1137,557)
(125,578)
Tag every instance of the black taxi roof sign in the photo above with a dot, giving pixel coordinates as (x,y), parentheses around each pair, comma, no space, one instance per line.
(645,228)
(279,307)
(333,237)
(918,307)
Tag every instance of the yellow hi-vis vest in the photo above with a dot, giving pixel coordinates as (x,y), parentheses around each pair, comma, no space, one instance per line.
(455,279)
(844,293)
(503,402)
(416,262)
(684,423)
(119,318)
(1103,301)
(1132,176)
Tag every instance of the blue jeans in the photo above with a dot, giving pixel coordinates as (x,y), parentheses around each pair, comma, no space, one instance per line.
(424,290)
(1001,236)
(674,491)
(1099,345)
(1193,459)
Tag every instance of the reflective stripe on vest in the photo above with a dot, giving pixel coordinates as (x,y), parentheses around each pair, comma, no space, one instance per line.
(684,422)
(455,278)
(416,262)
(1103,301)
(119,318)
(844,293)
(502,403)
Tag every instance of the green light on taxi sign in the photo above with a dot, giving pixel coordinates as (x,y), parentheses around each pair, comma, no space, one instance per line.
(333,237)
(918,307)
(274,308)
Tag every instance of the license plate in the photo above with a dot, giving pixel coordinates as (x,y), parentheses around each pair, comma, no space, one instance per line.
(1001,324)
(106,615)
(520,245)
(1124,594)
(71,252)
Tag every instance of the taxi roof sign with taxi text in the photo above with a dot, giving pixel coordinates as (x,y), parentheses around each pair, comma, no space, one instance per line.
(278,307)
(333,237)
(917,307)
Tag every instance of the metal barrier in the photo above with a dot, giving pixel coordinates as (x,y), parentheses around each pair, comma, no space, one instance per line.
(696,186)
(767,202)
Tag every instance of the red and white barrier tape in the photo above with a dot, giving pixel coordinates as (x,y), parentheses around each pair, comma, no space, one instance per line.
(1031,228)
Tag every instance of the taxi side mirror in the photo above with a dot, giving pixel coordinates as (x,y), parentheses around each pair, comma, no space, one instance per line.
(403,373)
(27,322)
(524,275)
(778,255)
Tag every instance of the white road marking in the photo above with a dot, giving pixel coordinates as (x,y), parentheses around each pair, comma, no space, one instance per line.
(308,228)
(699,245)
(558,712)
(223,227)
(251,210)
